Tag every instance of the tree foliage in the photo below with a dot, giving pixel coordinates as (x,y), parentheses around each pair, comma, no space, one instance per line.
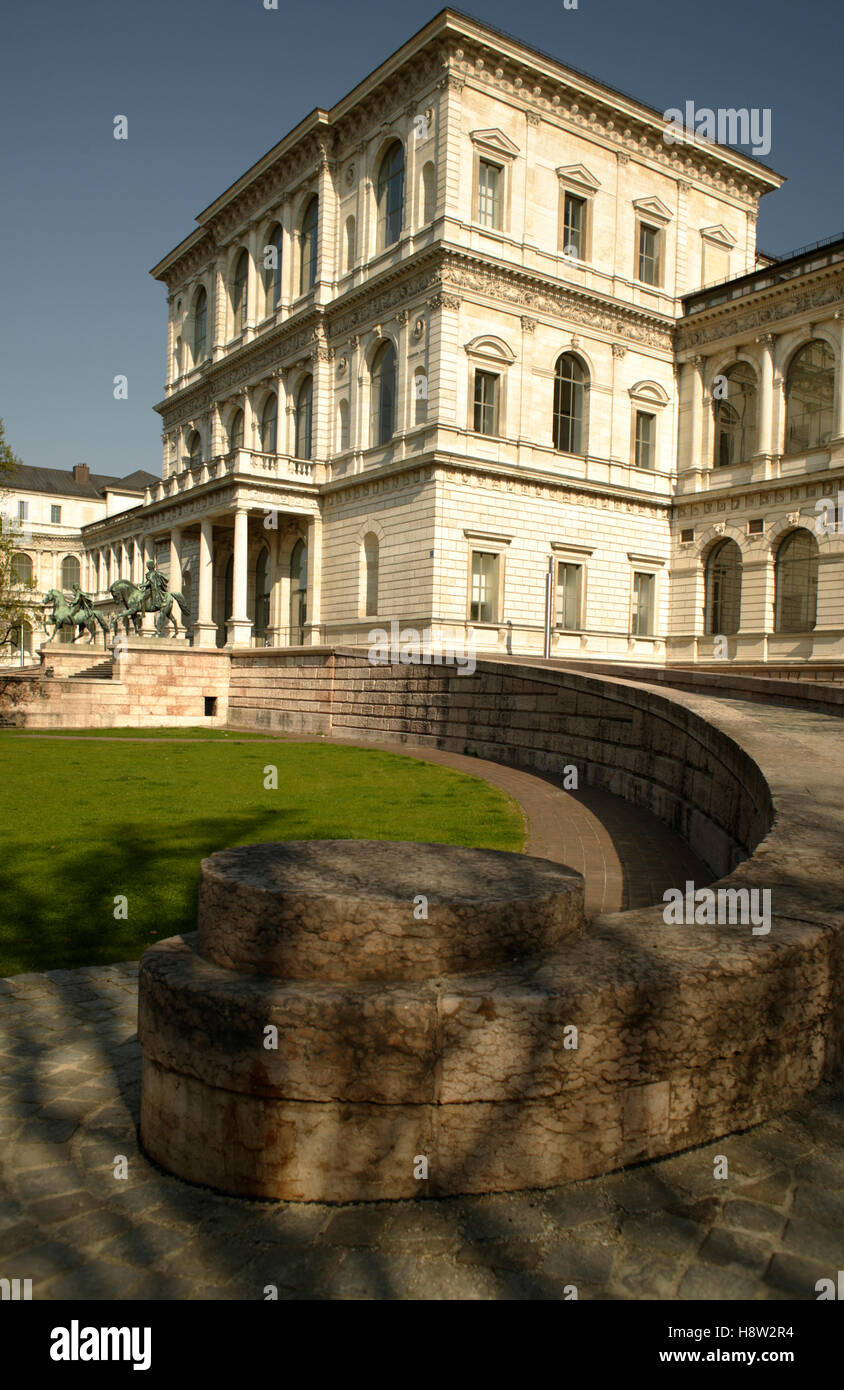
(15,599)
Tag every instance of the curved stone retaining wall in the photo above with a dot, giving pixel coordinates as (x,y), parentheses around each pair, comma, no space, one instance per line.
(632,741)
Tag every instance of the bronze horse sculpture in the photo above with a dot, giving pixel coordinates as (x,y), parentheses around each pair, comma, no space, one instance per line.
(150,597)
(75,615)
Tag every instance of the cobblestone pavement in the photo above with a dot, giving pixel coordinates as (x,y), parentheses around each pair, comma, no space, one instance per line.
(70,1068)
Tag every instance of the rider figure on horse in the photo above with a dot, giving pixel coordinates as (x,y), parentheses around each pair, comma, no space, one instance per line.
(81,604)
(155,587)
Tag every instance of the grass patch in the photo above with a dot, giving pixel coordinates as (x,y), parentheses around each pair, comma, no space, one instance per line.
(83,825)
(196,732)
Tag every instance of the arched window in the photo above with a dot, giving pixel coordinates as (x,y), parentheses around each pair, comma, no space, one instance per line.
(420,396)
(571,381)
(723,588)
(351,243)
(370,575)
(239,291)
(194,450)
(71,572)
(391,195)
(200,325)
(809,392)
(343,425)
(269,423)
(796,583)
(272,271)
(21,568)
(735,417)
(383,398)
(298,593)
(262,594)
(429,192)
(304,418)
(308,247)
(236,431)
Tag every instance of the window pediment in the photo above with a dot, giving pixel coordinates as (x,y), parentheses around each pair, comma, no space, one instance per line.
(494,142)
(653,208)
(648,393)
(578,178)
(719,235)
(492,349)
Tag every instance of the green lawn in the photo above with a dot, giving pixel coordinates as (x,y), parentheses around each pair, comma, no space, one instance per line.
(85,821)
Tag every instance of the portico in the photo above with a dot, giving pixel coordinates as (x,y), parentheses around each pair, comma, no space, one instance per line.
(244,555)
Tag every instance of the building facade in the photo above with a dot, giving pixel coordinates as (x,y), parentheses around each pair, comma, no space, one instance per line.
(48,510)
(479,320)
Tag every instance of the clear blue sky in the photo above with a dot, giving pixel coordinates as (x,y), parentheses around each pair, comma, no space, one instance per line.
(209,85)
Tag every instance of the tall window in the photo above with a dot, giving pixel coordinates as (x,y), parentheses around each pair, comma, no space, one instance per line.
(490,178)
(298,593)
(383,411)
(239,291)
(343,425)
(570,382)
(23,510)
(483,606)
(200,325)
(351,243)
(486,402)
(796,583)
(391,195)
(645,439)
(809,393)
(55,515)
(735,417)
(650,246)
(21,569)
(194,450)
(370,567)
(429,192)
(262,593)
(644,586)
(308,246)
(304,418)
(574,227)
(269,423)
(236,431)
(723,588)
(420,396)
(569,596)
(71,572)
(272,270)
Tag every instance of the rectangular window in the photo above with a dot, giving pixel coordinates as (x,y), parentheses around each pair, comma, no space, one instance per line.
(489,194)
(23,511)
(569,596)
(645,439)
(484,598)
(643,604)
(649,254)
(756,526)
(55,515)
(486,403)
(574,227)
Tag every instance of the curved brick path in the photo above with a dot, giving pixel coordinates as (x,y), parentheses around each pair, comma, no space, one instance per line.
(69,1089)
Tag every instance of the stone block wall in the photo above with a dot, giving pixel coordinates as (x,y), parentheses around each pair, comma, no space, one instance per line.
(631,741)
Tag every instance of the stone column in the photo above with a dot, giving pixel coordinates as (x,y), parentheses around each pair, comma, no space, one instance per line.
(765,436)
(175,579)
(204,630)
(239,625)
(312,636)
(695,373)
(838,427)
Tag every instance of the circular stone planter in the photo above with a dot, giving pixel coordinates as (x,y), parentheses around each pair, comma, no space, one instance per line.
(325,1028)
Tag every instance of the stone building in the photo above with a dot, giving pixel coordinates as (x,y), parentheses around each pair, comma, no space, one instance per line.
(453,333)
(48,509)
